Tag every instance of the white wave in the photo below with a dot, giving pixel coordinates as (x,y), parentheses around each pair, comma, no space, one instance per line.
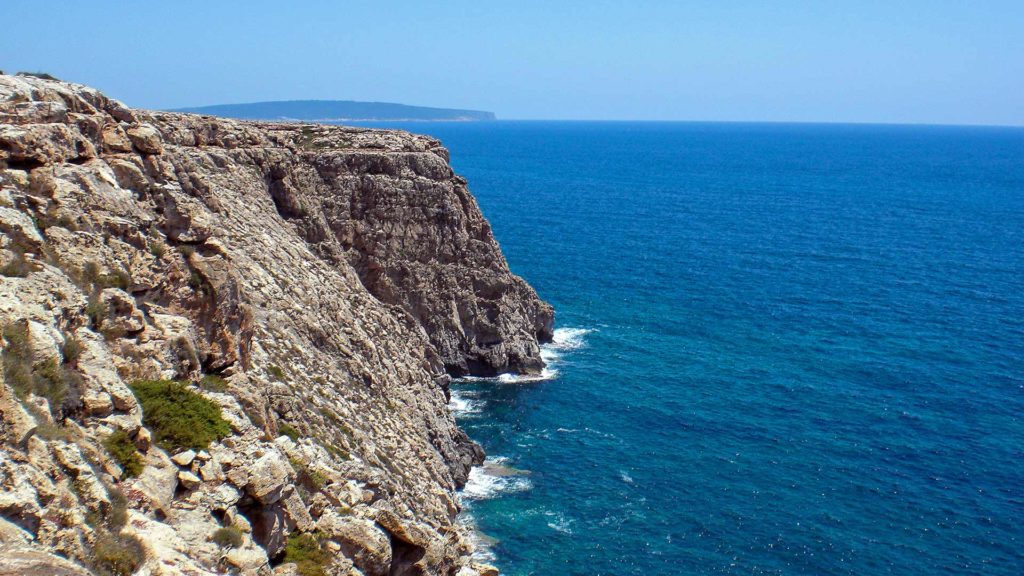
(462,406)
(545,374)
(625,477)
(560,523)
(482,543)
(494,478)
(549,354)
(568,338)
(562,340)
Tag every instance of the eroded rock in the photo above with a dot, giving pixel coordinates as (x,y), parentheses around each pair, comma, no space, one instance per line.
(316,284)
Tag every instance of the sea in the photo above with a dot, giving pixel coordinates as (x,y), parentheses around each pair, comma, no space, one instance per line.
(780,349)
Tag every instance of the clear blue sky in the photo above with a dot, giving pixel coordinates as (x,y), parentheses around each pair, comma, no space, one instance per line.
(913,61)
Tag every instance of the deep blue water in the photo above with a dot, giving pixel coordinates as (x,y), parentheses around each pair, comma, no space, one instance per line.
(806,357)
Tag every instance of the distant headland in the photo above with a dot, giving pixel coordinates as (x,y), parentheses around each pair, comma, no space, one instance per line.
(334,110)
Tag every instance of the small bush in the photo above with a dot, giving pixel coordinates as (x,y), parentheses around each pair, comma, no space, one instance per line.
(71,350)
(213,383)
(116,516)
(337,452)
(158,248)
(317,479)
(17,355)
(116,279)
(91,273)
(195,281)
(117,555)
(229,537)
(60,386)
(121,447)
(289,431)
(305,551)
(96,310)
(53,431)
(179,417)
(276,372)
(51,382)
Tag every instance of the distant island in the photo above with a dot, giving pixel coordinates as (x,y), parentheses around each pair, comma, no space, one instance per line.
(334,110)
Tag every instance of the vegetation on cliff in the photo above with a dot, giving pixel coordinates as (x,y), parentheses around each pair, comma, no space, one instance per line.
(179,417)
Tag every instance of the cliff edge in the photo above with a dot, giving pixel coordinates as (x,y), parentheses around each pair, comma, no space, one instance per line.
(227,345)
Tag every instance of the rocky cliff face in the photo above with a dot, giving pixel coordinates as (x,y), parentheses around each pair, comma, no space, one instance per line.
(315,284)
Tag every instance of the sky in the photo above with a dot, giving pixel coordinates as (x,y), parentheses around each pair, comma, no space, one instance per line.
(911,61)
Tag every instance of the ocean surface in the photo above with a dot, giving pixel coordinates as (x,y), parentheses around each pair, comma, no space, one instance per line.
(781,349)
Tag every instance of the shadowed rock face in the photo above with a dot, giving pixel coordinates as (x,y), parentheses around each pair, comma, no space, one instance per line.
(417,239)
(331,277)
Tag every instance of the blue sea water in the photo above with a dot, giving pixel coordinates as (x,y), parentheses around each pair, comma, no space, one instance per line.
(798,349)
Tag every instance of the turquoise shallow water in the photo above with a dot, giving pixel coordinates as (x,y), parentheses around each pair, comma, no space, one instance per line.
(806,348)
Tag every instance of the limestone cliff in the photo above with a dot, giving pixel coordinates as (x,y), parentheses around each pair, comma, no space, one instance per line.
(316,284)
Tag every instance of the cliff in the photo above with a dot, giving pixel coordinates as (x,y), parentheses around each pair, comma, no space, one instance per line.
(287,302)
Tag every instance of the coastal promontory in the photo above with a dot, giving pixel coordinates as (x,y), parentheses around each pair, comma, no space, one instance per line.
(227,345)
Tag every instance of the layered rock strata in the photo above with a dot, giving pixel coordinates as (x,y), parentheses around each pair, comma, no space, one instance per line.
(321,282)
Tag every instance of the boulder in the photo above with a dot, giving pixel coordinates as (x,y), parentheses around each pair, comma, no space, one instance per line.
(184,458)
(188,480)
(361,540)
(146,139)
(268,476)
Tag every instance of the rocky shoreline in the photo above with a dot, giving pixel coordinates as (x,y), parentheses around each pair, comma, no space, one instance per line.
(307,291)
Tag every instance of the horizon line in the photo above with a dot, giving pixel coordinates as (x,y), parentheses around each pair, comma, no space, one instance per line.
(652,121)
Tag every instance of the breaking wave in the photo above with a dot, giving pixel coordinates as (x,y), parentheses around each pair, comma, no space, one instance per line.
(567,339)
(493,479)
(462,406)
(562,340)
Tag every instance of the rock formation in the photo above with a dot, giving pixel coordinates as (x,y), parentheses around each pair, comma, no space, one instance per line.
(315,285)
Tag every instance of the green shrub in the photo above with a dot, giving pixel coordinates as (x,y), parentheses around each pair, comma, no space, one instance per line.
(116,279)
(116,555)
(71,350)
(96,310)
(305,551)
(116,516)
(276,372)
(91,273)
(229,537)
(317,479)
(110,517)
(337,452)
(60,386)
(121,447)
(158,248)
(17,355)
(179,417)
(53,431)
(53,382)
(213,383)
(289,431)
(195,281)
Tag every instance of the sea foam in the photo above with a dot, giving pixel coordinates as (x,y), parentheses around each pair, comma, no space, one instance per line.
(494,478)
(462,406)
(562,340)
(567,339)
